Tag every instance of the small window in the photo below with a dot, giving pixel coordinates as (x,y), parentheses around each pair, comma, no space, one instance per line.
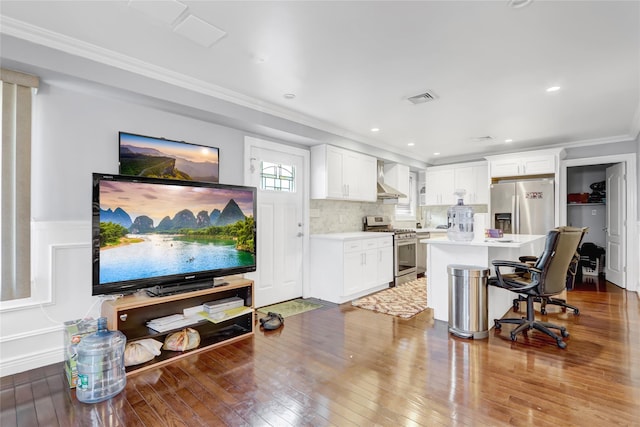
(405,210)
(275,177)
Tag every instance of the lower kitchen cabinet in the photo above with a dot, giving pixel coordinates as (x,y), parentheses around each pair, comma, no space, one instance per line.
(345,266)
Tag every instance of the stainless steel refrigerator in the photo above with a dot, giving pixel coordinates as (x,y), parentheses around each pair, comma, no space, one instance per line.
(523,206)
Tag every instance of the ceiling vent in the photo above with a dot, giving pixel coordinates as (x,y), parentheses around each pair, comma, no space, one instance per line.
(423,97)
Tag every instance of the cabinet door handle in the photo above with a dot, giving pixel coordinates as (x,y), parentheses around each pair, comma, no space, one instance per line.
(123,317)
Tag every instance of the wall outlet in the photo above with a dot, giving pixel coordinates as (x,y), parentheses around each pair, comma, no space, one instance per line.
(594,212)
(341,219)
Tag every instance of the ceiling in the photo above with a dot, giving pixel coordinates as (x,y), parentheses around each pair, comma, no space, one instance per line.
(352,66)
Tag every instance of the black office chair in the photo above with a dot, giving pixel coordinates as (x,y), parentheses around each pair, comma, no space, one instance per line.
(571,278)
(545,279)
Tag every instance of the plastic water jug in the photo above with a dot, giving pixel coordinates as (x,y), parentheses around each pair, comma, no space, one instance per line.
(101,372)
(460,220)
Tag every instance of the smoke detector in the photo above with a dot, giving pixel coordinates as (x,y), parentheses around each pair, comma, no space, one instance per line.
(423,97)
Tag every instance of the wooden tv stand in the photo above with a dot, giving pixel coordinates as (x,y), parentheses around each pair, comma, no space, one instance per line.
(130,314)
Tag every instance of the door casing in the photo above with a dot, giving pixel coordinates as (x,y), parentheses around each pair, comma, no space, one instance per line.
(632,282)
(270,145)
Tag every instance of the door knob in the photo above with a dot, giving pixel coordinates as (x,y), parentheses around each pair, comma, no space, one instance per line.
(300,234)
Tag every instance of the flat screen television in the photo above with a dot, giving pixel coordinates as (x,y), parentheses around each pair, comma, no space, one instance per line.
(168,235)
(165,158)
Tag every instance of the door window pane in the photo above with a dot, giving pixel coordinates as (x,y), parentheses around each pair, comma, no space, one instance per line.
(276,177)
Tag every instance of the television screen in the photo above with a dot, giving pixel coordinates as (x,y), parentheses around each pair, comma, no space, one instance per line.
(151,232)
(163,158)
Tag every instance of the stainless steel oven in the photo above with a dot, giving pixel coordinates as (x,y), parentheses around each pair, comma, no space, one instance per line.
(405,252)
(405,248)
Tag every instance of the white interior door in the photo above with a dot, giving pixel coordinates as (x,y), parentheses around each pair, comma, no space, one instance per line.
(616,225)
(278,172)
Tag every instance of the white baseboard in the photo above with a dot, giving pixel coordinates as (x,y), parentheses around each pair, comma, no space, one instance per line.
(30,361)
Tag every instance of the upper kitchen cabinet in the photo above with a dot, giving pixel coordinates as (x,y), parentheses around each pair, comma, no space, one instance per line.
(439,186)
(474,178)
(440,182)
(341,174)
(542,162)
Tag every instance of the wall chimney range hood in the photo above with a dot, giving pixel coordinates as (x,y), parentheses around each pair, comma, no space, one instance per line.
(386,191)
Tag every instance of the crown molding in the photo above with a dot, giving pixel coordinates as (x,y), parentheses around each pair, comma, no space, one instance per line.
(82,49)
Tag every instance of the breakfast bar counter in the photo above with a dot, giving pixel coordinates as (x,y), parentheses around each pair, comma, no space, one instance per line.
(478,252)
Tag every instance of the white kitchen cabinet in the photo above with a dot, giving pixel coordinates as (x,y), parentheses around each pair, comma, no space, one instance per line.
(364,178)
(345,266)
(540,162)
(385,259)
(439,187)
(474,179)
(341,174)
(442,181)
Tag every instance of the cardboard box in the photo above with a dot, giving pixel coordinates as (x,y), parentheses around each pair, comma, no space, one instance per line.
(74,331)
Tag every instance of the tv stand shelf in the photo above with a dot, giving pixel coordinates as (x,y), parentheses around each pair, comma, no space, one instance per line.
(130,314)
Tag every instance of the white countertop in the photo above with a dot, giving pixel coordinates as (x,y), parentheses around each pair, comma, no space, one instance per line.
(352,235)
(508,241)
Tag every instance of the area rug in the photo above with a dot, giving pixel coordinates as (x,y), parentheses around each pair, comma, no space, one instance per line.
(290,308)
(404,301)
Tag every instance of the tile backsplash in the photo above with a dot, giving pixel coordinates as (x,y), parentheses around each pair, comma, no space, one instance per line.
(337,216)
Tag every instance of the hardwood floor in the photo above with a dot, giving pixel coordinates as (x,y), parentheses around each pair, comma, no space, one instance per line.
(343,366)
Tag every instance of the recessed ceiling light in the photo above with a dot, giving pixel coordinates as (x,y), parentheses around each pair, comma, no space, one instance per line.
(375,129)
(553,89)
(436,154)
(411,144)
(508,140)
(289,95)
(516,4)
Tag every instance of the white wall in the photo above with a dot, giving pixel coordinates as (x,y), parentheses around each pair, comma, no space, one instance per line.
(76,133)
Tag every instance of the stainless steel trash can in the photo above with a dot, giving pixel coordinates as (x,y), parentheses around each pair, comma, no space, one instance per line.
(468,301)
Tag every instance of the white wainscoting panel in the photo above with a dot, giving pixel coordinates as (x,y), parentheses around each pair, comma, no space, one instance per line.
(32,336)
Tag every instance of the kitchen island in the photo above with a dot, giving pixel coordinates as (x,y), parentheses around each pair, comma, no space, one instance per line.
(478,252)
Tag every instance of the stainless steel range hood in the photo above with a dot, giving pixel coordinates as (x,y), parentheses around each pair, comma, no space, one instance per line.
(386,191)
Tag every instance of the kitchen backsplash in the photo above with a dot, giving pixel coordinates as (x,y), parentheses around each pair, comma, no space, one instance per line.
(335,216)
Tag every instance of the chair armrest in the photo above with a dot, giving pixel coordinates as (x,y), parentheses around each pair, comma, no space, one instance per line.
(514,264)
(513,284)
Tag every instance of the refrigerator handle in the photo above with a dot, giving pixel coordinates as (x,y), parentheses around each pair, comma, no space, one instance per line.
(515,214)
